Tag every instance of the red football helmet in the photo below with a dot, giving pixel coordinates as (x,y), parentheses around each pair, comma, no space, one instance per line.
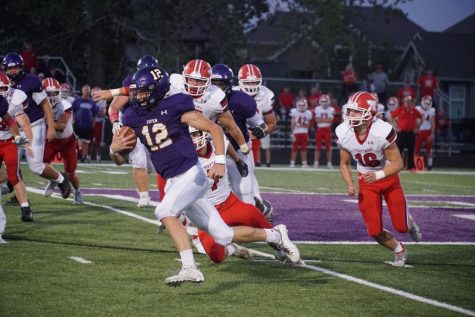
(66,90)
(393,103)
(324,101)
(52,89)
(199,71)
(362,103)
(426,102)
(375,95)
(301,104)
(250,79)
(4,85)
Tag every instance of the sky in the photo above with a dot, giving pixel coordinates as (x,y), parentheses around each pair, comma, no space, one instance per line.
(437,15)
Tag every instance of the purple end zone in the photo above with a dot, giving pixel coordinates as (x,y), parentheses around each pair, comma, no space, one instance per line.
(330,218)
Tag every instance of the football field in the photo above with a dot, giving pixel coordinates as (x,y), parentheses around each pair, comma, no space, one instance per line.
(106,258)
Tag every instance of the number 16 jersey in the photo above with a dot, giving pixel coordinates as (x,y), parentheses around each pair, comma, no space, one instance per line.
(368,150)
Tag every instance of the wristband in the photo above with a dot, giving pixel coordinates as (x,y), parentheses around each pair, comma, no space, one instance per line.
(111,151)
(115,92)
(244,148)
(114,116)
(379,175)
(220,159)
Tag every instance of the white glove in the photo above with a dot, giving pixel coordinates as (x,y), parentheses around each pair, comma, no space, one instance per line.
(21,141)
(116,127)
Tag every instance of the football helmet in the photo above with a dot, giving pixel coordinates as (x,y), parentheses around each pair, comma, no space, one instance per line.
(13,60)
(393,103)
(199,71)
(362,103)
(426,101)
(147,61)
(301,104)
(52,89)
(250,79)
(201,140)
(149,86)
(66,90)
(324,101)
(222,76)
(4,85)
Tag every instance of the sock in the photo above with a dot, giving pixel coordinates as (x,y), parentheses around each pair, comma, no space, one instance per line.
(230,248)
(25,204)
(60,178)
(187,258)
(273,236)
(429,161)
(143,195)
(3,221)
(88,157)
(304,162)
(399,248)
(292,162)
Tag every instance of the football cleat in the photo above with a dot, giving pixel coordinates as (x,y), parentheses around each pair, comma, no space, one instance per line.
(198,245)
(78,199)
(65,187)
(415,231)
(241,252)
(2,241)
(280,255)
(268,210)
(187,274)
(144,202)
(26,214)
(400,258)
(329,165)
(49,188)
(12,201)
(288,246)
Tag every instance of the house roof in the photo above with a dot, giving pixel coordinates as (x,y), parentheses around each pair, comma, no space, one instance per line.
(467,25)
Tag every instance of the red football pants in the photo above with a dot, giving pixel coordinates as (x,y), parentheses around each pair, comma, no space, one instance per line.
(67,148)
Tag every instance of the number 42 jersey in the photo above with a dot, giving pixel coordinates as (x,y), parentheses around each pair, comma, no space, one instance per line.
(368,151)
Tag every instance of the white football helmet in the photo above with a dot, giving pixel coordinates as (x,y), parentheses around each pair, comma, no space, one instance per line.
(199,141)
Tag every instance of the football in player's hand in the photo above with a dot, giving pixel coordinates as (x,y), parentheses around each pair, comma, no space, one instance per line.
(126,132)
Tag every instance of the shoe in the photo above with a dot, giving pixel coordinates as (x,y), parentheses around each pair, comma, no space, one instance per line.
(144,202)
(49,188)
(288,246)
(292,165)
(4,189)
(429,168)
(257,164)
(78,199)
(12,201)
(415,232)
(186,274)
(268,164)
(26,214)
(304,166)
(2,241)
(65,187)
(330,166)
(268,210)
(197,244)
(400,258)
(241,252)
(280,255)
(315,165)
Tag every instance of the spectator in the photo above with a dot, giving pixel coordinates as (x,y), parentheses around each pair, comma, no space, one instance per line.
(405,91)
(84,114)
(313,99)
(45,67)
(441,123)
(286,102)
(408,120)
(349,81)
(337,110)
(98,134)
(30,58)
(427,84)
(34,71)
(379,81)
(58,74)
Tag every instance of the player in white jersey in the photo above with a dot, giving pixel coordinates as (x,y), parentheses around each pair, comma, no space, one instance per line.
(371,142)
(233,211)
(426,132)
(393,103)
(301,120)
(64,143)
(324,114)
(16,99)
(67,93)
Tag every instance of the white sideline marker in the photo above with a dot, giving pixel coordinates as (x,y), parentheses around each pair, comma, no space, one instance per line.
(308,267)
(80,260)
(469,217)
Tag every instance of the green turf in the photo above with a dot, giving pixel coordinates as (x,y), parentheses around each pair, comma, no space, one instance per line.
(130,260)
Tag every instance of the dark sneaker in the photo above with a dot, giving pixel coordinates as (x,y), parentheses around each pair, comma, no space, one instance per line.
(26,214)
(12,201)
(65,187)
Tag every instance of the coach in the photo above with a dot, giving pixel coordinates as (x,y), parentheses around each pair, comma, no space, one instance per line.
(407,120)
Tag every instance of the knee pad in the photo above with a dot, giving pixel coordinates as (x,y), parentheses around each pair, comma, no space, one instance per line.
(216,254)
(37,167)
(161,213)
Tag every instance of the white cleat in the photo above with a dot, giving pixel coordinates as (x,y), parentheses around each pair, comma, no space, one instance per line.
(288,246)
(2,241)
(315,165)
(400,258)
(78,199)
(415,232)
(241,252)
(187,274)
(144,202)
(330,166)
(280,255)
(304,166)
(49,188)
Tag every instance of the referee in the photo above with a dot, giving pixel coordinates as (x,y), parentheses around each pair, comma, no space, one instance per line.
(408,120)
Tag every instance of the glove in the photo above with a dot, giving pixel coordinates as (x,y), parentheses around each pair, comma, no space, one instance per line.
(258,132)
(21,141)
(116,127)
(242,168)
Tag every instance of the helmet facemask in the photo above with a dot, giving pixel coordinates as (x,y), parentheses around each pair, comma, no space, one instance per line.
(195,89)
(353,119)
(250,86)
(53,97)
(200,138)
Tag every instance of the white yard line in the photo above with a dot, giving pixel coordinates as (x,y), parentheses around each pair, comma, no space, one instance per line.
(469,217)
(460,205)
(375,243)
(80,260)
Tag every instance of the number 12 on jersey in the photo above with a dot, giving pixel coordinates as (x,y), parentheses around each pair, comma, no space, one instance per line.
(157,138)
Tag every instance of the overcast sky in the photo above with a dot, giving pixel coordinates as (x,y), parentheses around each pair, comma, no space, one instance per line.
(438,15)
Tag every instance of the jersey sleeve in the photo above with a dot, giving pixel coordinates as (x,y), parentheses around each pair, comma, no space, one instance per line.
(186,104)
(387,134)
(67,106)
(255,120)
(269,104)
(3,106)
(340,133)
(38,93)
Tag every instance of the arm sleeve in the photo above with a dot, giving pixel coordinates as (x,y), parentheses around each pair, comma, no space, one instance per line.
(255,120)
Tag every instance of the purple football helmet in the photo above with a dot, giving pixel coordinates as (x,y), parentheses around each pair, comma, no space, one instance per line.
(149,86)
(13,60)
(147,61)
(222,76)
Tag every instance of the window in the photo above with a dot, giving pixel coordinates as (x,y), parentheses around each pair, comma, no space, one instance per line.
(457,102)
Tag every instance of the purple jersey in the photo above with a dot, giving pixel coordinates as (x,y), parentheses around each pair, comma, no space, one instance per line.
(242,107)
(3,106)
(164,135)
(84,111)
(31,86)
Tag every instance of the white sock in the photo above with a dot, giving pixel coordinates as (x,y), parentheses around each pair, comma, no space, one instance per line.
(143,195)
(3,221)
(273,236)
(304,162)
(230,249)
(187,258)
(429,161)
(292,162)
(25,204)
(399,248)
(60,178)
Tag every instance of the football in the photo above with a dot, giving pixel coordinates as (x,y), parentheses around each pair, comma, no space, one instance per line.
(125,132)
